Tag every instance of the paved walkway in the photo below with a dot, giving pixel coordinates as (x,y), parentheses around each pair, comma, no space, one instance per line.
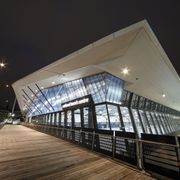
(28,154)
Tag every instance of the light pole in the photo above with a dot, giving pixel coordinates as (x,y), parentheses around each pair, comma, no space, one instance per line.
(2,65)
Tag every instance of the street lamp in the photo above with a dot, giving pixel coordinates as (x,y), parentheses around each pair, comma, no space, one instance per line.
(2,65)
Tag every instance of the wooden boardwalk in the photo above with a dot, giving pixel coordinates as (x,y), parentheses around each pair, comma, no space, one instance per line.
(28,154)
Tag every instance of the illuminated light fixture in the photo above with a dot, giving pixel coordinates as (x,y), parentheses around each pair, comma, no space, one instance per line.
(163,95)
(53,82)
(42,87)
(36,90)
(32,95)
(125,71)
(24,108)
(2,65)
(7,85)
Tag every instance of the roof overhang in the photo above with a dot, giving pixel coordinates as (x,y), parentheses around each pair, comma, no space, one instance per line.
(135,47)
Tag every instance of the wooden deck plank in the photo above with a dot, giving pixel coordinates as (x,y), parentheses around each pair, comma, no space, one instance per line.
(28,154)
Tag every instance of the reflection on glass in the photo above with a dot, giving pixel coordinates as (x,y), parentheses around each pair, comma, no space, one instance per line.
(88,121)
(57,119)
(169,124)
(156,123)
(62,118)
(69,118)
(151,123)
(137,122)
(114,117)
(166,123)
(77,118)
(126,119)
(163,123)
(103,87)
(49,119)
(144,121)
(86,117)
(53,119)
(102,117)
(46,121)
(160,123)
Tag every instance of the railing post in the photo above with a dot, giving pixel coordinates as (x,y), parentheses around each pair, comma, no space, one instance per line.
(114,143)
(93,138)
(177,152)
(139,154)
(80,136)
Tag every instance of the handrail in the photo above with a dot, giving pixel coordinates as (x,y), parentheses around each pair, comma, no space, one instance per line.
(133,150)
(127,138)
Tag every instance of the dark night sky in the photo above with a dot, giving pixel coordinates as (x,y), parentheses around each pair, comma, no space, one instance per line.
(34,33)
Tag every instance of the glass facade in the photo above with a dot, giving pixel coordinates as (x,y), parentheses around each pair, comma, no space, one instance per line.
(99,102)
(102,117)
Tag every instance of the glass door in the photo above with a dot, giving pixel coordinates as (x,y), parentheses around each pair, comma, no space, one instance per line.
(77,118)
(69,118)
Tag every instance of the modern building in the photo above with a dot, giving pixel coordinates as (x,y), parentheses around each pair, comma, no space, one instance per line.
(122,82)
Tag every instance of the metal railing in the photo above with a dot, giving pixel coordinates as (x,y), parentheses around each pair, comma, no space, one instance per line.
(162,158)
(1,124)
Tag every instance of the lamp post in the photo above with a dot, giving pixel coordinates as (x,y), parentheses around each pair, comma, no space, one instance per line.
(2,65)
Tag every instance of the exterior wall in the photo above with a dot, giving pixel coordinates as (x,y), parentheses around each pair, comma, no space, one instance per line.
(99,102)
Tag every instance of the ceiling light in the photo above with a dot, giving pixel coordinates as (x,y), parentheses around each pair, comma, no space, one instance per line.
(125,71)
(163,95)
(32,95)
(24,108)
(42,87)
(53,82)
(7,85)
(36,90)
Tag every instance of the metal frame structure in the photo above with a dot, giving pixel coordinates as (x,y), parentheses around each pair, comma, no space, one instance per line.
(130,113)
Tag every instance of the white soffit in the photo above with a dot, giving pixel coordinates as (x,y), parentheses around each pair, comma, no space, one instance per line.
(151,73)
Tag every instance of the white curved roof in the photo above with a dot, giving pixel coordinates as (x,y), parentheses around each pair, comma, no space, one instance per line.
(136,47)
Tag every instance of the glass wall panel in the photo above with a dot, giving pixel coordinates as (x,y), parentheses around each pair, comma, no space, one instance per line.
(144,121)
(168,118)
(77,118)
(160,123)
(114,88)
(151,123)
(166,122)
(137,122)
(126,119)
(57,119)
(62,119)
(46,121)
(49,119)
(95,86)
(53,119)
(102,117)
(69,118)
(102,87)
(86,117)
(114,117)
(156,123)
